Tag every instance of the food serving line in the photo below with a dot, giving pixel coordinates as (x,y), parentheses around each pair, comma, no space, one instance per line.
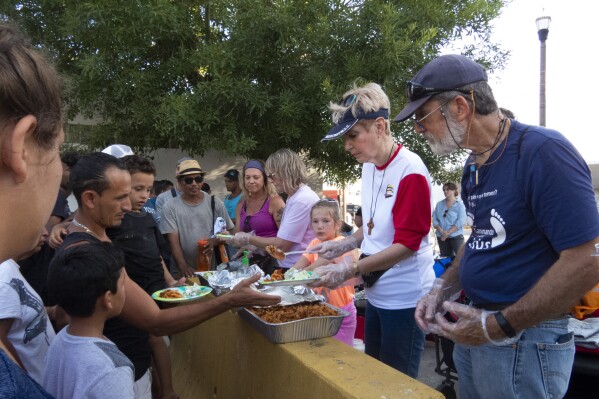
(239,354)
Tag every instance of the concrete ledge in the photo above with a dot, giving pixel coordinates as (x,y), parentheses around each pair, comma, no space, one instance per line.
(226,358)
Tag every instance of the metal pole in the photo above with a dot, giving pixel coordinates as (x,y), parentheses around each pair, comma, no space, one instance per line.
(543,32)
(542,104)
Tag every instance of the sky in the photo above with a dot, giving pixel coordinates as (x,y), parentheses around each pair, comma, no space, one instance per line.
(572,74)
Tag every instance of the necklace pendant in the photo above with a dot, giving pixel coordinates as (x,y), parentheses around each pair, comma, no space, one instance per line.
(370,225)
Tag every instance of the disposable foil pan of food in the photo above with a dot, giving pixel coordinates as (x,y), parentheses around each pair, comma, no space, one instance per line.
(225,278)
(298,322)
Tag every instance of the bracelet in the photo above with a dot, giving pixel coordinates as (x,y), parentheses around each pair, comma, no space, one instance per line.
(507,341)
(356,270)
(505,325)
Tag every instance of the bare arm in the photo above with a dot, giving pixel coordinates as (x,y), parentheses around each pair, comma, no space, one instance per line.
(276,209)
(5,325)
(141,311)
(170,280)
(575,273)
(177,252)
(302,263)
(238,217)
(384,259)
(280,243)
(53,221)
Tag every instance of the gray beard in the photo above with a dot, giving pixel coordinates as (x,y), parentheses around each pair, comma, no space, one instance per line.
(446,144)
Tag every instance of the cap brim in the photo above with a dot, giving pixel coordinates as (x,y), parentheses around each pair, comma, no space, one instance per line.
(339,130)
(411,108)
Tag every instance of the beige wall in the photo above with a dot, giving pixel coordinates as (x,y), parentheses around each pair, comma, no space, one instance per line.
(226,358)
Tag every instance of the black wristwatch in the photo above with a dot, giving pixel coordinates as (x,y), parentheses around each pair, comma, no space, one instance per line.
(505,325)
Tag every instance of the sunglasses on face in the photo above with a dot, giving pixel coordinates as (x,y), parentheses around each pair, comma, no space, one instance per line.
(415,91)
(190,180)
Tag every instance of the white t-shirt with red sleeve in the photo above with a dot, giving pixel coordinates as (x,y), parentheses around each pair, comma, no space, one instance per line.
(397,197)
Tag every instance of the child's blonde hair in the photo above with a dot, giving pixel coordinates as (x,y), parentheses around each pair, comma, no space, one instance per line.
(333,208)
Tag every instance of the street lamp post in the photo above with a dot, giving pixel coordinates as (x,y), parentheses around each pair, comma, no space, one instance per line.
(543,31)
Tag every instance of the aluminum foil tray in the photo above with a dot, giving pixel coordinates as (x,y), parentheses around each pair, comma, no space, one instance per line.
(297,330)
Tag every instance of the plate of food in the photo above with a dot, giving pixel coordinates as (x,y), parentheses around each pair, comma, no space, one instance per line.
(181,294)
(290,277)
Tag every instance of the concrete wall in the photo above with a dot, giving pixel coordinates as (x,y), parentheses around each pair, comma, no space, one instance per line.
(226,358)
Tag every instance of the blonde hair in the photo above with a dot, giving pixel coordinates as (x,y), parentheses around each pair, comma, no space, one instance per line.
(289,167)
(333,207)
(368,98)
(268,188)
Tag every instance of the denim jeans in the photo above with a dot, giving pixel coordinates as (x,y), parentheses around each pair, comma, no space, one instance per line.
(393,337)
(537,366)
(450,246)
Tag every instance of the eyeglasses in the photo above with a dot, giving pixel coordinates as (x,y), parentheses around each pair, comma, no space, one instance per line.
(246,224)
(271,175)
(415,91)
(190,180)
(418,122)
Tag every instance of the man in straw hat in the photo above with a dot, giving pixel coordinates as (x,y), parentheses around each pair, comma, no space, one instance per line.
(190,216)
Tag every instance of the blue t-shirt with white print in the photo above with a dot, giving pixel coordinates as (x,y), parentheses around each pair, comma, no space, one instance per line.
(533,199)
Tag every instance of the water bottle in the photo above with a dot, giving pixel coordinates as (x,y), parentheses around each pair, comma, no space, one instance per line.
(245,261)
(203,256)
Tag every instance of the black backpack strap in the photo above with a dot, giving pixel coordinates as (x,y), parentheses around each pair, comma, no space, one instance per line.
(173,192)
(212,207)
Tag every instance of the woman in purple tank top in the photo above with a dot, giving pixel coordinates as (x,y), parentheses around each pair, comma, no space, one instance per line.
(259,210)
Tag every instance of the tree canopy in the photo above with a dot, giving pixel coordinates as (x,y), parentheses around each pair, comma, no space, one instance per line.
(246,76)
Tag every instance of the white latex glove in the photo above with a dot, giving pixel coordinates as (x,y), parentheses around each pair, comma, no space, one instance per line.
(240,239)
(334,274)
(470,327)
(333,249)
(432,303)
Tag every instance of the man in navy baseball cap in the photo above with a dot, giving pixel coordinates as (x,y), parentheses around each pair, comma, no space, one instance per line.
(443,74)
(529,198)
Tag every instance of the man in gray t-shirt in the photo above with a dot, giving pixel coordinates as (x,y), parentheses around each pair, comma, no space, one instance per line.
(166,196)
(189,217)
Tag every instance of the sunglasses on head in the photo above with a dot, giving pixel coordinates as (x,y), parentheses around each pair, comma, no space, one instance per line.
(190,180)
(349,100)
(415,91)
(328,201)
